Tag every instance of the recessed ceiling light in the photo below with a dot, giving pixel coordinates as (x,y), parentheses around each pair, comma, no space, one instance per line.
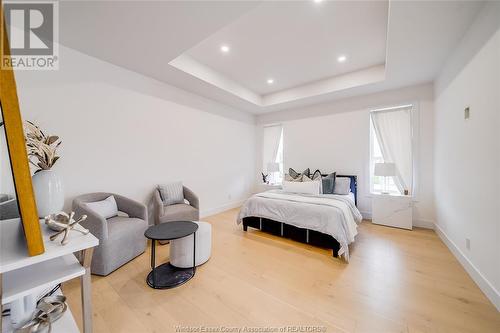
(342,58)
(270,81)
(318,1)
(224,48)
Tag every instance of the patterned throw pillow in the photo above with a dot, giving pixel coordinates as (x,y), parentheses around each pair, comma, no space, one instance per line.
(289,178)
(307,172)
(316,175)
(172,193)
(294,174)
(306,179)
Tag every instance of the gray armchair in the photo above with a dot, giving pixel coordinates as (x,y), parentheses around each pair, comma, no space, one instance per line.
(121,238)
(8,207)
(177,212)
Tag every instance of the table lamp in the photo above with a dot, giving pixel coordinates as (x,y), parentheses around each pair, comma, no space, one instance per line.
(273,167)
(385,170)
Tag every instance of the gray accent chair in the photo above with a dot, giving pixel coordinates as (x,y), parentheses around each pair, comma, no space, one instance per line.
(8,207)
(121,238)
(177,212)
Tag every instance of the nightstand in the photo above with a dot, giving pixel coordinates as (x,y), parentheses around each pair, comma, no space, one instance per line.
(392,210)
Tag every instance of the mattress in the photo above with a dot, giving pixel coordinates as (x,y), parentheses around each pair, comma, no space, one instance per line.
(349,196)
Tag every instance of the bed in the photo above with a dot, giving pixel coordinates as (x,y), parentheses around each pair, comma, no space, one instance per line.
(326,220)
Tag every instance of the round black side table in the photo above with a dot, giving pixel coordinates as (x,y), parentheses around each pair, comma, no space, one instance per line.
(167,276)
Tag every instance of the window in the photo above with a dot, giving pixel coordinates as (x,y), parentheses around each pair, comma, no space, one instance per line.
(279,160)
(377,182)
(272,153)
(391,143)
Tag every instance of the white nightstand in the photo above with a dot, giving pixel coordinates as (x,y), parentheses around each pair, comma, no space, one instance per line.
(392,210)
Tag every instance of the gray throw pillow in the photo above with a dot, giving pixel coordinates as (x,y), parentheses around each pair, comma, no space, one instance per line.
(172,193)
(328,183)
(342,185)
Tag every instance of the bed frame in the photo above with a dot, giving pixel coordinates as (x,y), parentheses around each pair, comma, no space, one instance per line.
(300,234)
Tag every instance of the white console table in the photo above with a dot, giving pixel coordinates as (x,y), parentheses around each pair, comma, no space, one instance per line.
(22,275)
(392,210)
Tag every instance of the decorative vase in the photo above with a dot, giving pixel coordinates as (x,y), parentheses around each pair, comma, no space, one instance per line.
(49,193)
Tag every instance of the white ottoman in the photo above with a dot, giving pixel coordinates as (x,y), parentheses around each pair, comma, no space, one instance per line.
(181,250)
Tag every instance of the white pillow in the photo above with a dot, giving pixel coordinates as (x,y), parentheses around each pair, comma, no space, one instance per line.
(342,185)
(310,187)
(106,208)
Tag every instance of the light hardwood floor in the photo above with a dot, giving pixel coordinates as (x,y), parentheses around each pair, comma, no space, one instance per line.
(397,281)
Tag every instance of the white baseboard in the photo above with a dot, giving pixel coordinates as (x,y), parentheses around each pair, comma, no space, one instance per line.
(220,209)
(427,224)
(416,223)
(485,285)
(366,215)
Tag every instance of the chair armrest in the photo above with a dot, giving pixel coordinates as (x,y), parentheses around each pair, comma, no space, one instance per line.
(191,197)
(94,222)
(131,207)
(158,206)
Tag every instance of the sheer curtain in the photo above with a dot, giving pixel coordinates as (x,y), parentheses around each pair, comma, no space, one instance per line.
(271,146)
(393,128)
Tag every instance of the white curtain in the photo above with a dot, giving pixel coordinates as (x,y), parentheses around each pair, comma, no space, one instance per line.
(270,145)
(393,128)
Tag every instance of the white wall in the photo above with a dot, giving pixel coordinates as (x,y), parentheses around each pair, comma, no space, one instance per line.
(467,152)
(126,133)
(336,137)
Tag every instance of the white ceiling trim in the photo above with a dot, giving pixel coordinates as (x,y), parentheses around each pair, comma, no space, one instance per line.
(358,78)
(190,66)
(333,84)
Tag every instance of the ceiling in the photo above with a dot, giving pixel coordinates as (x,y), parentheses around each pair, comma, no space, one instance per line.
(388,44)
(297,43)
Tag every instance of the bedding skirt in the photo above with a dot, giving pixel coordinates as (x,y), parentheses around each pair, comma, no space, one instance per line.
(302,235)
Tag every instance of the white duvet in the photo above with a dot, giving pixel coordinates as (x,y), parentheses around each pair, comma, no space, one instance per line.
(330,214)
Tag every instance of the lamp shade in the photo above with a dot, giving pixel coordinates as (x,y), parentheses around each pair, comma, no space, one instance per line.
(273,167)
(385,169)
